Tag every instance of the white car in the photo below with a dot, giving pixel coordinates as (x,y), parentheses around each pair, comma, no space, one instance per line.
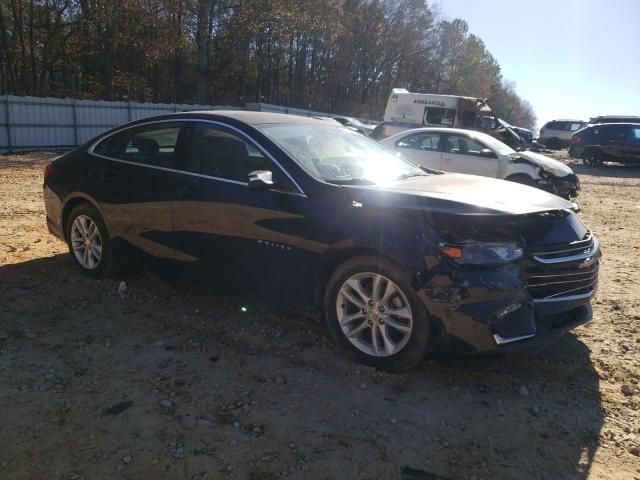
(476,153)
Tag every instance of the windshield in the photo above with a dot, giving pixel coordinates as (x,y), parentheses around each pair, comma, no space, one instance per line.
(495,144)
(338,155)
(356,122)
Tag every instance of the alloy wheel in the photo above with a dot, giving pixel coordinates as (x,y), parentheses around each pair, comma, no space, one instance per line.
(374,314)
(86,242)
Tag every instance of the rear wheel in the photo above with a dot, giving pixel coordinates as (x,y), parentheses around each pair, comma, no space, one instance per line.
(373,312)
(593,158)
(89,241)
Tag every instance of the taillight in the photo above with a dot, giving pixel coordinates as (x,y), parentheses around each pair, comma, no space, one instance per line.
(48,170)
(576,139)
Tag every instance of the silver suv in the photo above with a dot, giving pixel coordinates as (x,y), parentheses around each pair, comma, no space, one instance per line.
(557,133)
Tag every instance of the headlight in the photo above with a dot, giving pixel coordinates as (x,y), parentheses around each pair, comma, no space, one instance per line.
(482,253)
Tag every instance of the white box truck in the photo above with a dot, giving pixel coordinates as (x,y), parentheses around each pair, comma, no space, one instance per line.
(407,110)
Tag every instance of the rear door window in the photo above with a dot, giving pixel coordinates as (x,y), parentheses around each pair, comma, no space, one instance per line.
(462,145)
(153,144)
(426,142)
(574,126)
(439,116)
(635,135)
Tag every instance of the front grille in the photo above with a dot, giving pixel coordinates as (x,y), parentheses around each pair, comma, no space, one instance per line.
(570,282)
(566,253)
(564,270)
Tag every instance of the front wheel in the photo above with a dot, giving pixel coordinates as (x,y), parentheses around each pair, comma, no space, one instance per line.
(374,313)
(523,179)
(89,241)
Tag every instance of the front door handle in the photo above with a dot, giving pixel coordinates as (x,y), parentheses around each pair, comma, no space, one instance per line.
(189,191)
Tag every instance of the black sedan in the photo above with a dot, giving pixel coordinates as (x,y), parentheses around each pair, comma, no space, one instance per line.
(402,260)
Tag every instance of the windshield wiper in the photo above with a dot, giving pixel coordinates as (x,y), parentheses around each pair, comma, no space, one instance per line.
(410,175)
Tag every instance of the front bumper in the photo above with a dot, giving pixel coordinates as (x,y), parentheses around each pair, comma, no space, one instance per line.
(566,187)
(511,307)
(549,330)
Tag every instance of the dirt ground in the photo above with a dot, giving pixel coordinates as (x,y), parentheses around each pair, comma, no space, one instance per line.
(172,380)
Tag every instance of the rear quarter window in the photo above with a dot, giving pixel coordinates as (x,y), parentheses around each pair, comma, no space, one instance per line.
(110,146)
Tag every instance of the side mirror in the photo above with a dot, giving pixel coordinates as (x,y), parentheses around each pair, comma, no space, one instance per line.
(260,180)
(485,152)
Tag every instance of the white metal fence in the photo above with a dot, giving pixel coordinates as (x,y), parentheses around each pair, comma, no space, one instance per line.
(38,123)
(268,107)
(33,123)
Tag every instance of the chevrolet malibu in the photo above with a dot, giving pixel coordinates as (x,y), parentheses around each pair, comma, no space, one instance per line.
(402,260)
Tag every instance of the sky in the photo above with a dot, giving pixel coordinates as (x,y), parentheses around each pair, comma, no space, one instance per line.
(571,59)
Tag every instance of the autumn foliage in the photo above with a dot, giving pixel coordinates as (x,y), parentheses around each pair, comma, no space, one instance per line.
(332,55)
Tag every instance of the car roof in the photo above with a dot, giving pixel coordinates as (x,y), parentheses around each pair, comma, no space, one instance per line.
(255,118)
(615,123)
(566,120)
(615,116)
(461,131)
(439,129)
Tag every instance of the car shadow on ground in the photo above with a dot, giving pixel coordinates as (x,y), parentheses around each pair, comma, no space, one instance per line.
(529,416)
(608,170)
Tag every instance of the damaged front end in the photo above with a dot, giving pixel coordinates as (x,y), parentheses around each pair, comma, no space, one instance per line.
(566,187)
(537,285)
(553,176)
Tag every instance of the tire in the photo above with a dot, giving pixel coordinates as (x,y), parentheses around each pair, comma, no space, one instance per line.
(593,158)
(522,179)
(402,342)
(97,261)
(553,144)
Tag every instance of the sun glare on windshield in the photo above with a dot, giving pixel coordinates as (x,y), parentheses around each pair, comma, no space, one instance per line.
(340,156)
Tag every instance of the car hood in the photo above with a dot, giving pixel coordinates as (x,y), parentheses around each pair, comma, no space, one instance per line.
(458,194)
(549,165)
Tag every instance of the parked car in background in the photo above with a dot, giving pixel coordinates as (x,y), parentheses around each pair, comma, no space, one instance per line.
(406,110)
(614,119)
(402,261)
(355,124)
(557,133)
(475,153)
(526,135)
(607,142)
